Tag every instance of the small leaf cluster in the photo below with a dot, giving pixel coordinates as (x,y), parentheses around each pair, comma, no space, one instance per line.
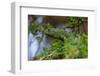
(74,21)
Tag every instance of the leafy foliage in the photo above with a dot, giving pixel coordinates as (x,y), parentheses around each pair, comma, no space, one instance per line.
(74,46)
(74,21)
(64,45)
